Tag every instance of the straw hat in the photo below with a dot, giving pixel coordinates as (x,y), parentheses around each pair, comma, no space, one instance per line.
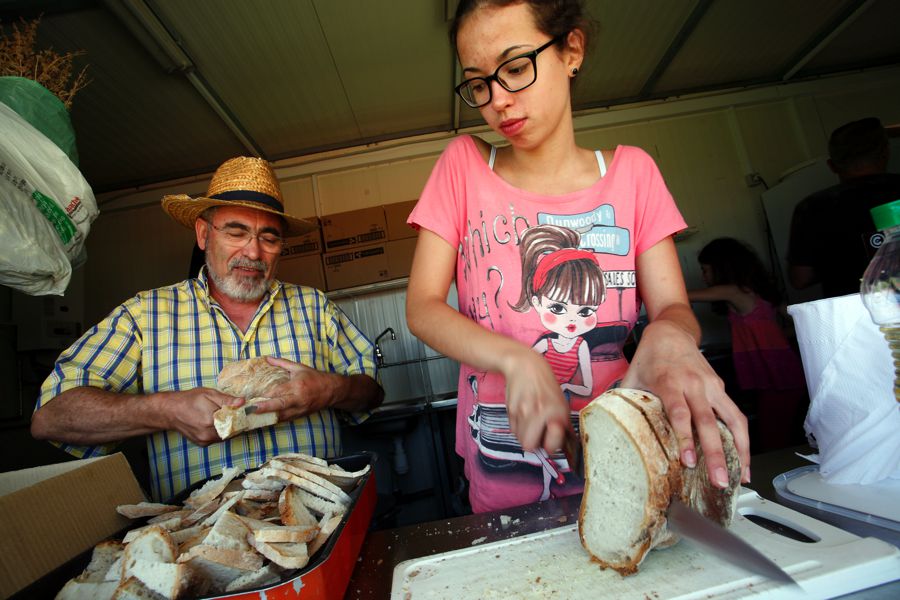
(241,181)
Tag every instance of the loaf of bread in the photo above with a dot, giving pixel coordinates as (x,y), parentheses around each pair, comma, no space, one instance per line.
(250,379)
(632,471)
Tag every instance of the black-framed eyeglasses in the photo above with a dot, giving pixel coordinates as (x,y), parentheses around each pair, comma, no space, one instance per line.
(239,237)
(513,75)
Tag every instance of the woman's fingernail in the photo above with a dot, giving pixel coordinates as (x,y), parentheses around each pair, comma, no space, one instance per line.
(689,457)
(722,477)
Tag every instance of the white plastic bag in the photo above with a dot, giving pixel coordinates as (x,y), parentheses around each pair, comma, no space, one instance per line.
(46,209)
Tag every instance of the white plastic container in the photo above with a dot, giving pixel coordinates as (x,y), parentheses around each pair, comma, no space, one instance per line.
(867,510)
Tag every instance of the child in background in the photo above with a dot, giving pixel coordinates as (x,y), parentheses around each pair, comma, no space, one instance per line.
(519,60)
(765,363)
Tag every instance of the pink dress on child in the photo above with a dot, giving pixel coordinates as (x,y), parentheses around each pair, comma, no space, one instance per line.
(763,357)
(766,364)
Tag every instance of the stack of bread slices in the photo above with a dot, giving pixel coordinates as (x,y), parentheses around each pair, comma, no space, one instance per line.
(633,471)
(237,532)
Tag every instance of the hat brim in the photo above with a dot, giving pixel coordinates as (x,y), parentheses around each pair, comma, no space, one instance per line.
(186,210)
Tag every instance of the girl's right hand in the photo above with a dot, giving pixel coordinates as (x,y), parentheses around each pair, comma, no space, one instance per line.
(538,412)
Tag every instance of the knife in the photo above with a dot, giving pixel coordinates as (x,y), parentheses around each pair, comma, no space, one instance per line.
(718,540)
(574,452)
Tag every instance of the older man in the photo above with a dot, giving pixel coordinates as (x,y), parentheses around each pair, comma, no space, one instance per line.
(150,367)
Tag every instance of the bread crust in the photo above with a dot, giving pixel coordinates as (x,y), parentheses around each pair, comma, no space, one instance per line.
(656,469)
(641,416)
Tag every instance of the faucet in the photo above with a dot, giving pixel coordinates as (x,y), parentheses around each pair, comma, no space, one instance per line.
(379,356)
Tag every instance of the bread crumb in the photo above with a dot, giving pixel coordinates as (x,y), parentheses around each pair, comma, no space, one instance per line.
(477,541)
(504,521)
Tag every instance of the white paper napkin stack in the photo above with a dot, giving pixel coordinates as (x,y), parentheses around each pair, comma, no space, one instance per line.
(850,376)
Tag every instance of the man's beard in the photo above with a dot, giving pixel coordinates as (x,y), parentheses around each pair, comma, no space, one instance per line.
(236,286)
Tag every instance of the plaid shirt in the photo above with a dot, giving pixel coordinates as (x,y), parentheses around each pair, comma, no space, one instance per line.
(179,338)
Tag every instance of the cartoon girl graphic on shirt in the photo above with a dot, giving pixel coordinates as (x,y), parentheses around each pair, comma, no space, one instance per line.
(564,285)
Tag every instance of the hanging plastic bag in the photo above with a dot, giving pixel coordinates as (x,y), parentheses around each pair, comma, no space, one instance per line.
(40,107)
(46,209)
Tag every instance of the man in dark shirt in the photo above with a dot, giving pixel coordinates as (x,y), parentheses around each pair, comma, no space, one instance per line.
(833,236)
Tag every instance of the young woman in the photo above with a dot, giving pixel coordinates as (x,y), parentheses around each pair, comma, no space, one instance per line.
(765,364)
(518,60)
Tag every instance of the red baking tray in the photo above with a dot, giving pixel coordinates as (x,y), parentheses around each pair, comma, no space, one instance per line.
(325,576)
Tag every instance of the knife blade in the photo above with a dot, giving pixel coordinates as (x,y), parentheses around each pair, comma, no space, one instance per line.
(717,539)
(574,453)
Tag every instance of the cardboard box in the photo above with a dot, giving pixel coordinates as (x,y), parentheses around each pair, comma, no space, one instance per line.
(354,228)
(301,245)
(302,270)
(368,264)
(53,513)
(395,216)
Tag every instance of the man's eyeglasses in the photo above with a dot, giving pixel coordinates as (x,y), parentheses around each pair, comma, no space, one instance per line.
(239,237)
(514,75)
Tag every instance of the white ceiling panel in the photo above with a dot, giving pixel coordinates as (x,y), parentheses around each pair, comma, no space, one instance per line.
(269,62)
(738,41)
(282,78)
(133,123)
(629,39)
(872,36)
(395,62)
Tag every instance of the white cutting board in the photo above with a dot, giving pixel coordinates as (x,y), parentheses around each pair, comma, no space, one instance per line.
(552,564)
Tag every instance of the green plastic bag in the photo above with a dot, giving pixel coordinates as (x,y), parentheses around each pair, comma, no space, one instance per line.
(43,111)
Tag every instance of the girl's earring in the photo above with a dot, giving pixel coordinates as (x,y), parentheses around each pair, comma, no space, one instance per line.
(574,71)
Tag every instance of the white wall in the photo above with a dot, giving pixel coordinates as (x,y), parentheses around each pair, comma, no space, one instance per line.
(704,145)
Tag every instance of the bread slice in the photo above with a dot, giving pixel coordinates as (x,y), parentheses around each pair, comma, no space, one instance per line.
(326,527)
(104,556)
(347,480)
(289,555)
(632,470)
(312,477)
(87,590)
(256,510)
(266,575)
(285,533)
(133,589)
(169,580)
(230,421)
(153,544)
(220,566)
(292,509)
(230,531)
(212,488)
(306,483)
(145,509)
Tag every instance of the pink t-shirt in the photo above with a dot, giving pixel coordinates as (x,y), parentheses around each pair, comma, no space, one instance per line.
(624,213)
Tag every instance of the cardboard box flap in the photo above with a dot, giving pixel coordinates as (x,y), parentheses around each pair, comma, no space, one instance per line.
(16,480)
(57,518)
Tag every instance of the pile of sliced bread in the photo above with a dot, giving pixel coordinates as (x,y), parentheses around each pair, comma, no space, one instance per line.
(632,471)
(237,532)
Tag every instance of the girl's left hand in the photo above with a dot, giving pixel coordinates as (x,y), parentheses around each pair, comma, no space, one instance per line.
(669,364)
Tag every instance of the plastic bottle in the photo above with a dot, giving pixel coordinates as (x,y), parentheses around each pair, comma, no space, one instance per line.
(880,287)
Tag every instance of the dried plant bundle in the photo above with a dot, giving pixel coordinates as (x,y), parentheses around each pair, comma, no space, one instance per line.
(20,58)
